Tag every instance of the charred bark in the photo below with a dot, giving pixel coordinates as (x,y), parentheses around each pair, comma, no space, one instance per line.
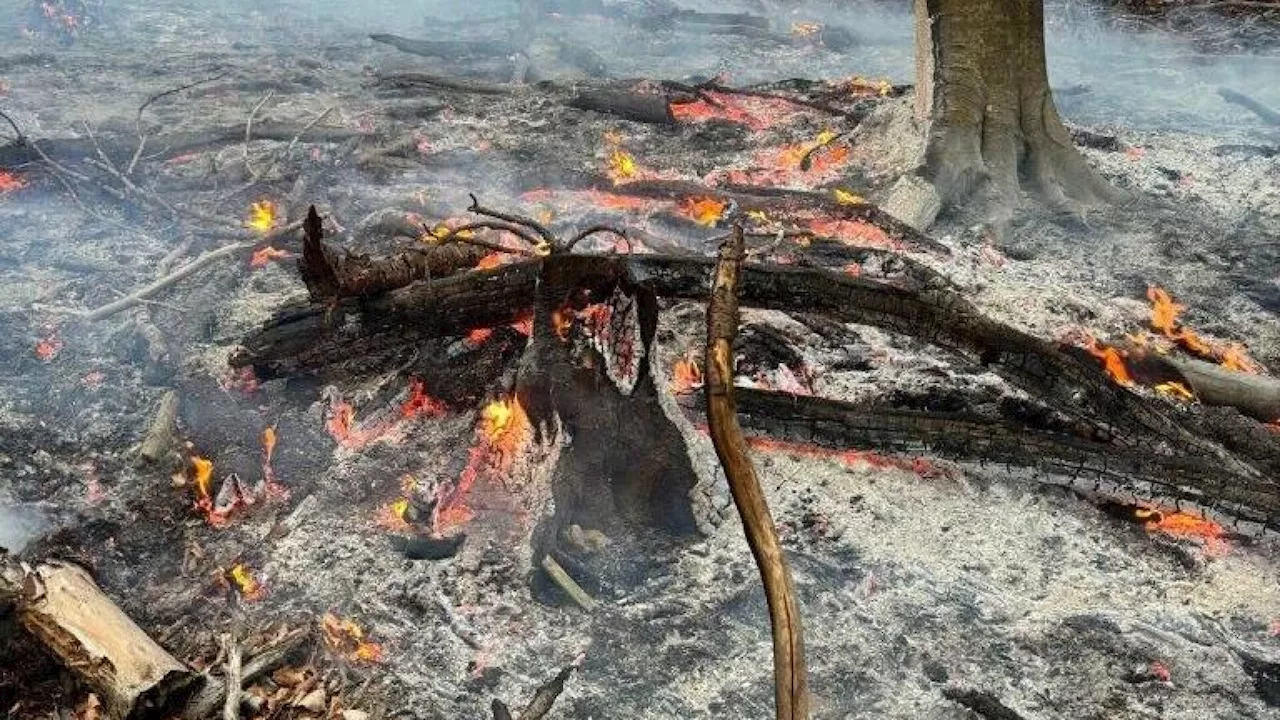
(638,107)
(982,79)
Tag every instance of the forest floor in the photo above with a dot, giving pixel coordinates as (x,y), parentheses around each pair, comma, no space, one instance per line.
(925,594)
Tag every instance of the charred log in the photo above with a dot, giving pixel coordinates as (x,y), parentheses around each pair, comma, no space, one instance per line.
(638,107)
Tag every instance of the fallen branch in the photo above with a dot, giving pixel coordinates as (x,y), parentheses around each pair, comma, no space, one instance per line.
(568,584)
(1269,116)
(63,608)
(234,678)
(264,661)
(790,676)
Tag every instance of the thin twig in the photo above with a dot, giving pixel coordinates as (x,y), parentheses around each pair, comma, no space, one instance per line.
(275,157)
(568,584)
(593,230)
(20,138)
(137,123)
(455,235)
(248,132)
(533,225)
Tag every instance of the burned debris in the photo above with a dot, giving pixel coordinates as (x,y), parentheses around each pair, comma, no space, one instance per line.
(442,373)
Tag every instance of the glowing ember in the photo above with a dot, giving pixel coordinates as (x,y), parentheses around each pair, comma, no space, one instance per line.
(756,113)
(342,425)
(479,336)
(1184,525)
(1160,671)
(614,201)
(704,211)
(851,458)
(346,638)
(854,232)
(262,216)
(686,376)
(263,256)
(10,182)
(48,348)
(1234,357)
(1112,359)
(394,515)
(1175,390)
(852,270)
(249,587)
(621,165)
(490,261)
(502,431)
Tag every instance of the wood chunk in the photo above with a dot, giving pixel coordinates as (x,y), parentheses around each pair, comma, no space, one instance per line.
(640,107)
(64,609)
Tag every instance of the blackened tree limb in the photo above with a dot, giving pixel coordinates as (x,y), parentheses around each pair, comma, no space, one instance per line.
(639,107)
(790,676)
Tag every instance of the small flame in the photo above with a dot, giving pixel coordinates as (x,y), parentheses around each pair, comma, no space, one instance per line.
(704,211)
(268,443)
(1164,319)
(263,256)
(249,587)
(805,29)
(202,478)
(622,166)
(394,515)
(686,376)
(345,637)
(262,216)
(858,85)
(1112,359)
(1185,525)
(845,197)
(342,425)
(503,429)
(490,261)
(1175,390)
(10,182)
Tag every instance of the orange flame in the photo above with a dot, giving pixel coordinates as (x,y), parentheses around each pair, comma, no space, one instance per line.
(1185,525)
(1175,390)
(686,376)
(262,216)
(1112,359)
(263,257)
(268,443)
(10,182)
(394,515)
(1164,319)
(704,211)
(503,429)
(246,583)
(345,637)
(202,479)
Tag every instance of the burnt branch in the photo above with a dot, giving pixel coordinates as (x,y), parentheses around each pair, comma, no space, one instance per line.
(791,685)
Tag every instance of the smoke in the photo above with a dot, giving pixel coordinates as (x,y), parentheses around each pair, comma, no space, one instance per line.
(19,526)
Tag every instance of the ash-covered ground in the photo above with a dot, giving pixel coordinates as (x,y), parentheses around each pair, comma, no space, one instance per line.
(924,594)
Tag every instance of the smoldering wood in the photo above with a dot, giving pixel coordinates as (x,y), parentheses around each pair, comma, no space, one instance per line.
(772,200)
(1021,437)
(330,276)
(121,149)
(791,683)
(921,306)
(638,107)
(63,608)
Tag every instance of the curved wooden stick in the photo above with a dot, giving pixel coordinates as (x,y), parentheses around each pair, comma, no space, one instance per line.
(790,677)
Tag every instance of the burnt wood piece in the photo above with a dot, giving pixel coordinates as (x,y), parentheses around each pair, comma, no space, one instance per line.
(1065,378)
(639,107)
(63,608)
(330,276)
(791,683)
(121,149)
(447,49)
(1250,504)
(771,200)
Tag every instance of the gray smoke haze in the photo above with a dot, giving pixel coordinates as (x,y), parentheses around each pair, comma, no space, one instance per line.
(19,525)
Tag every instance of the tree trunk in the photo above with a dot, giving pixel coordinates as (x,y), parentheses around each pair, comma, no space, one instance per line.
(982,79)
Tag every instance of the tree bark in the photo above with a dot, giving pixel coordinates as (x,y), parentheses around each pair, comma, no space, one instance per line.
(982,77)
(61,606)
(791,684)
